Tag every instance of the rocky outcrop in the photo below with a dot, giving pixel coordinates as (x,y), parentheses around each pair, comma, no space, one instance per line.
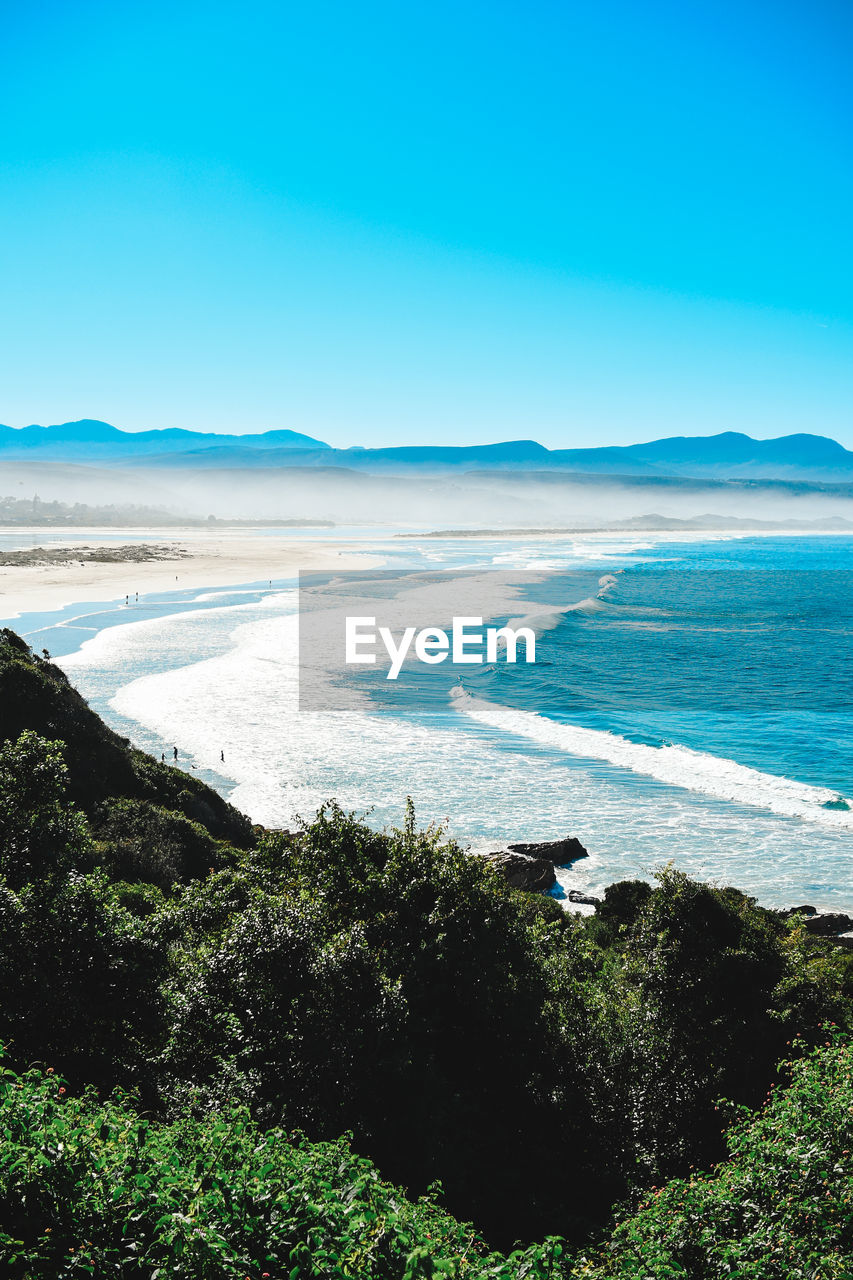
(521,871)
(824,924)
(531,866)
(582,899)
(828,923)
(560,852)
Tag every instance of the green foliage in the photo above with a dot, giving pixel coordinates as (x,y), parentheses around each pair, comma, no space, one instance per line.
(80,979)
(698,996)
(622,903)
(780,1208)
(92,1188)
(41,836)
(80,975)
(386,984)
(35,695)
(142,841)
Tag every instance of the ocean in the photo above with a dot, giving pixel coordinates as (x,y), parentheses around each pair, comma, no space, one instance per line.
(691,702)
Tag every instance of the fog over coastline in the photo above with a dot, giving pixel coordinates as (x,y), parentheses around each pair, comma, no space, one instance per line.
(496,499)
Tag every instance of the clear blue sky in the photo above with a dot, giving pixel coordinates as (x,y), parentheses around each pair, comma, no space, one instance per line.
(381,223)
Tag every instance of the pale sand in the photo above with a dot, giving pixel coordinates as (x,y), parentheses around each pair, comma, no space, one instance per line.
(215,560)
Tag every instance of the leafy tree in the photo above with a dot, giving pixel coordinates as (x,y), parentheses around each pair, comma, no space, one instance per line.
(390,985)
(142,841)
(42,836)
(542,1066)
(705,991)
(79,974)
(778,1209)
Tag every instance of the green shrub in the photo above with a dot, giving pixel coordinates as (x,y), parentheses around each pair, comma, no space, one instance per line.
(35,695)
(389,985)
(697,1000)
(91,1188)
(780,1207)
(42,837)
(139,840)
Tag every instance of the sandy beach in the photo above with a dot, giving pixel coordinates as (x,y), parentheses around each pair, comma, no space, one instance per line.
(209,559)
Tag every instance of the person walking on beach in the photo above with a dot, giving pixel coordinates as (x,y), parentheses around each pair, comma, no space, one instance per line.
(222,756)
(175,753)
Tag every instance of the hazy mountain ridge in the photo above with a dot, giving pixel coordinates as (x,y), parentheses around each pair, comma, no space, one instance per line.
(730,455)
(90,438)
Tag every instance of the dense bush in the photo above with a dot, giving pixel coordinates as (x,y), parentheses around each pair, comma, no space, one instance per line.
(699,994)
(386,984)
(91,1188)
(80,976)
(42,837)
(391,985)
(141,841)
(780,1207)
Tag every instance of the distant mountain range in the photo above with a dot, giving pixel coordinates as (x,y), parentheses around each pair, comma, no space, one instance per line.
(728,456)
(90,439)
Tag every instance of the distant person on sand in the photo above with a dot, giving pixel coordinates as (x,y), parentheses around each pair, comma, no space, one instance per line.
(175,752)
(222,756)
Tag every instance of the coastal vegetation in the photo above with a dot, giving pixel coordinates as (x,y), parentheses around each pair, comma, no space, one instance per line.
(132,553)
(233,1052)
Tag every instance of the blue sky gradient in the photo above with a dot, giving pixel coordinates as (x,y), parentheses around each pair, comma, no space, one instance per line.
(385,223)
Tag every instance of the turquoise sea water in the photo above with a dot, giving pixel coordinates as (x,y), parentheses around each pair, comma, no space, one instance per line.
(740,649)
(692,700)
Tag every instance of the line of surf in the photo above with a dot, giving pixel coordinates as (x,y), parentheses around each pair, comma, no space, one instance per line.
(674,765)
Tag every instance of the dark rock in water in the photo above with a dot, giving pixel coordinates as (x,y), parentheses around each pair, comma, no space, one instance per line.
(582,899)
(531,866)
(844,940)
(824,924)
(523,872)
(561,852)
(829,923)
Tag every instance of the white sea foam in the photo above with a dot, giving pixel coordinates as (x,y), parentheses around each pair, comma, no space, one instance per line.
(494,784)
(223,679)
(676,765)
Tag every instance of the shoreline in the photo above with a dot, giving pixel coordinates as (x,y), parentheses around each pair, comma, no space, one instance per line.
(251,554)
(210,560)
(655,829)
